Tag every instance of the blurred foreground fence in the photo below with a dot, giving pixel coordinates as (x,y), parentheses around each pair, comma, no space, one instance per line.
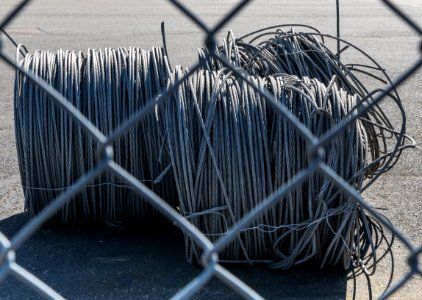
(209,259)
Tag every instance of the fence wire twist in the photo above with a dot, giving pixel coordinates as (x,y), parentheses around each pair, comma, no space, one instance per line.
(210,260)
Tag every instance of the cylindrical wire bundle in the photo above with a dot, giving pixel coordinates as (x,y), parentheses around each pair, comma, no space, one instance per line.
(229,151)
(107,86)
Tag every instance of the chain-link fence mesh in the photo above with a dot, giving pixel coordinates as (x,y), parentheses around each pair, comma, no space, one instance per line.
(209,257)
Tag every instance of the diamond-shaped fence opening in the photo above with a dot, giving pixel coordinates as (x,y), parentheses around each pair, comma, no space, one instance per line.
(218,232)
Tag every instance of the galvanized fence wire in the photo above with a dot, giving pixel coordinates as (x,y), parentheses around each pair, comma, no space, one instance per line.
(209,259)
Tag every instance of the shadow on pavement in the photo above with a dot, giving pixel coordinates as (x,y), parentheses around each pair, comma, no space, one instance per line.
(86,262)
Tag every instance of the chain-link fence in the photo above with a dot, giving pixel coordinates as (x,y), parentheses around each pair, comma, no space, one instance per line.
(209,258)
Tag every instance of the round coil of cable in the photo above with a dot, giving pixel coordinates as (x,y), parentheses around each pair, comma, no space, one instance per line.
(230,150)
(107,86)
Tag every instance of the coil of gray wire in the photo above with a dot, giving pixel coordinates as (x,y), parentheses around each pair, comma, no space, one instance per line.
(107,86)
(229,151)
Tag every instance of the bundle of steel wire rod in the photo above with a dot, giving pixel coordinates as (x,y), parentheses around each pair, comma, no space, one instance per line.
(215,149)
(230,150)
(107,86)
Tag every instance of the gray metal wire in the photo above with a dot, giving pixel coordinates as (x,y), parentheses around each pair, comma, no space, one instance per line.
(100,77)
(209,251)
